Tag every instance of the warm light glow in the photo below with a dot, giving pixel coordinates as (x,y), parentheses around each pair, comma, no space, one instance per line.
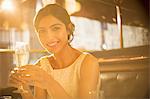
(7,5)
(38,5)
(103,17)
(118,18)
(114,19)
(104,46)
(46,2)
(72,6)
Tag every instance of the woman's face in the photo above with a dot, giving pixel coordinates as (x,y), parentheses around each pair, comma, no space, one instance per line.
(52,33)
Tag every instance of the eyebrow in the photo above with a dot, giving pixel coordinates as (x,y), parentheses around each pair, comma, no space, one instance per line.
(50,26)
(55,25)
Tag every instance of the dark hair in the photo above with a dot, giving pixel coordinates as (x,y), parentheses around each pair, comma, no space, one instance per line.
(58,12)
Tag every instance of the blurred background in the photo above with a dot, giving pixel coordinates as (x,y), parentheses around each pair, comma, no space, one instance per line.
(95,21)
(115,31)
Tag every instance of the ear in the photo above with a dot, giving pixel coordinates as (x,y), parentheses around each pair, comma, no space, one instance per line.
(70,28)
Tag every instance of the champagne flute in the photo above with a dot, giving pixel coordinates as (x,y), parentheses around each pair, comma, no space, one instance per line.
(22,58)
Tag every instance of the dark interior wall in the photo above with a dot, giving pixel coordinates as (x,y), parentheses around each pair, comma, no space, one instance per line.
(5,66)
(133,12)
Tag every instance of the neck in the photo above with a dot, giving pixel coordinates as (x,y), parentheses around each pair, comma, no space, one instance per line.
(65,51)
(64,57)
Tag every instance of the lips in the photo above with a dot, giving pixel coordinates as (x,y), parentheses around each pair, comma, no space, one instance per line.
(52,44)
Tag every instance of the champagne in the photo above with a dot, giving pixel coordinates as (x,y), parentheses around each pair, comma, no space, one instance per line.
(21,59)
(21,54)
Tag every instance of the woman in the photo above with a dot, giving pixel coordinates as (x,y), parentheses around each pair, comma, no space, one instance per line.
(68,73)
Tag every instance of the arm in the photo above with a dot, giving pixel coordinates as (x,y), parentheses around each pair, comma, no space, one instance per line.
(39,93)
(89,76)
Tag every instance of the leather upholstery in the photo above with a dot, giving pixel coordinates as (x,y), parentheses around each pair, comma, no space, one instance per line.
(124,79)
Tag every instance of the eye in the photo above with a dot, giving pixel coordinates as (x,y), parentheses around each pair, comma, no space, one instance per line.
(41,31)
(56,28)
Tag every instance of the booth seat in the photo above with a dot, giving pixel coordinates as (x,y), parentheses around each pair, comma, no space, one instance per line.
(124,73)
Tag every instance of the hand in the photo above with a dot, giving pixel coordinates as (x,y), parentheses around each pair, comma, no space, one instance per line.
(15,80)
(34,75)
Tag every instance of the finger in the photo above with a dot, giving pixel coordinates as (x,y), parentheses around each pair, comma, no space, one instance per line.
(12,73)
(31,72)
(30,67)
(17,78)
(15,70)
(21,73)
(26,66)
(14,83)
(21,76)
(28,79)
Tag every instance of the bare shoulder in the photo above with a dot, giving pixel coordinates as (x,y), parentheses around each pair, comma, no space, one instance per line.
(89,73)
(90,64)
(90,59)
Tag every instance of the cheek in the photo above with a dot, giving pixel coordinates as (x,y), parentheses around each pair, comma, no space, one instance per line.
(64,36)
(42,39)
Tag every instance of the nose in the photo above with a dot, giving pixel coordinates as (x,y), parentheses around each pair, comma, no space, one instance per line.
(51,35)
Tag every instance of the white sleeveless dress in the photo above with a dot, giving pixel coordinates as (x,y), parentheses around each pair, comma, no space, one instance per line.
(67,77)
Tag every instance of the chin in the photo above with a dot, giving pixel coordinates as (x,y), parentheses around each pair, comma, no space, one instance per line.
(54,51)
